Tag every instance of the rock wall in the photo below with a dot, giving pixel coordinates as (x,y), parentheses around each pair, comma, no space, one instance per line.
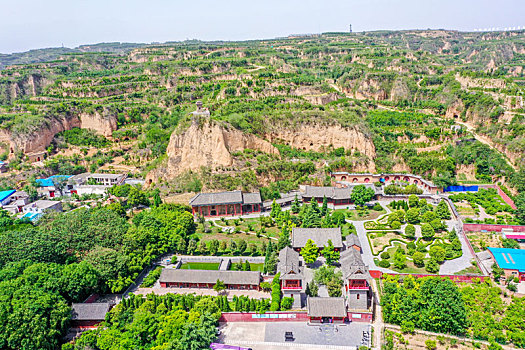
(103,125)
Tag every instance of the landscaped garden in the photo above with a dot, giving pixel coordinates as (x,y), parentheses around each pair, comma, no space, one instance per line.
(413,238)
(484,206)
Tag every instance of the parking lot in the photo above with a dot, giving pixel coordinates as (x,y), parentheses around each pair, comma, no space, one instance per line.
(270,335)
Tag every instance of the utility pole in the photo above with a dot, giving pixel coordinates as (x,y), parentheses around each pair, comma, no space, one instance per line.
(350,28)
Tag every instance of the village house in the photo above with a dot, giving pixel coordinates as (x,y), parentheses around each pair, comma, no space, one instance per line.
(6,197)
(291,276)
(326,310)
(356,279)
(344,179)
(240,280)
(15,202)
(512,261)
(88,315)
(55,186)
(320,236)
(3,167)
(231,203)
(33,211)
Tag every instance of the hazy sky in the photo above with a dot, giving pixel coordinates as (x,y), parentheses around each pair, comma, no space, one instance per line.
(29,24)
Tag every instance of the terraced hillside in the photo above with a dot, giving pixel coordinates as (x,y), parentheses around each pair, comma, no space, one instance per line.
(441,104)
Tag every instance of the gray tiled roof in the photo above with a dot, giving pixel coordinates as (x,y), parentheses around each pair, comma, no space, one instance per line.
(251,198)
(217,198)
(210,276)
(328,192)
(326,307)
(231,197)
(289,266)
(352,240)
(319,235)
(89,311)
(352,265)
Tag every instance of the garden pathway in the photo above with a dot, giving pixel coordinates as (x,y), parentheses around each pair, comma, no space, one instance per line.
(368,257)
(450,267)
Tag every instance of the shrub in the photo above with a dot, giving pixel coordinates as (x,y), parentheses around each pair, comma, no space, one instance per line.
(385,255)
(384,263)
(430,344)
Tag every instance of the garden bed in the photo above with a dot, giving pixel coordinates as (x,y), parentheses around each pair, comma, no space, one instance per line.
(199,266)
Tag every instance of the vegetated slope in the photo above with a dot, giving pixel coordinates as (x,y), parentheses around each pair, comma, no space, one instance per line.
(378,101)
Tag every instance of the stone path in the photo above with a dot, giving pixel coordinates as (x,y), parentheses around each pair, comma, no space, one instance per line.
(450,267)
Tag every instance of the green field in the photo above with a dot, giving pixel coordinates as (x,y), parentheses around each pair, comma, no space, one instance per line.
(199,266)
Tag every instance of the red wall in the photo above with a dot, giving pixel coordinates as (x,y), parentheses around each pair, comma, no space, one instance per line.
(299,317)
(492,228)
(365,316)
(503,195)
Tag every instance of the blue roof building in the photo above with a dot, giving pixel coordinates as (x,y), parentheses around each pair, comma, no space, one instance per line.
(49,181)
(4,196)
(511,260)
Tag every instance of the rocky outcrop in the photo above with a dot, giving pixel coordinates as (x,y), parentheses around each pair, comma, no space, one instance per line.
(206,144)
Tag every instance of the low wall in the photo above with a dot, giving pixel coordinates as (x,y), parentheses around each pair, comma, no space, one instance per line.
(455,278)
(492,227)
(360,316)
(266,317)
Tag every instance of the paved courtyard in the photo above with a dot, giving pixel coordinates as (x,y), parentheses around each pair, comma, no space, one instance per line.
(270,335)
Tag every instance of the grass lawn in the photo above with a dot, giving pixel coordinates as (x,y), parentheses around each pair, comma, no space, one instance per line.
(199,266)
(253,267)
(362,215)
(470,270)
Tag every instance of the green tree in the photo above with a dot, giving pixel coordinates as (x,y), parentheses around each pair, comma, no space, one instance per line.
(427,231)
(137,198)
(310,252)
(276,210)
(296,205)
(312,290)
(442,210)
(419,259)
(334,287)
(312,215)
(432,266)
(412,215)
(329,253)
(410,231)
(219,286)
(413,201)
(438,253)
(362,194)
(324,208)
(284,238)
(400,259)
(157,201)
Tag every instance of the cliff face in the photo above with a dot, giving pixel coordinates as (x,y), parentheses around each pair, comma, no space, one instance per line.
(38,138)
(103,125)
(206,144)
(315,137)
